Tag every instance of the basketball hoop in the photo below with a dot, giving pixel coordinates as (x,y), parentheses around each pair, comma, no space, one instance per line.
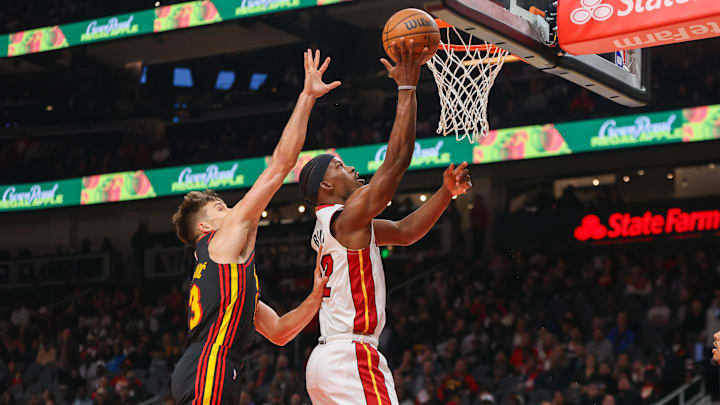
(464,73)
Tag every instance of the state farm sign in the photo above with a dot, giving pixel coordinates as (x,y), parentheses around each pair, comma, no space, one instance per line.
(599,26)
(626,225)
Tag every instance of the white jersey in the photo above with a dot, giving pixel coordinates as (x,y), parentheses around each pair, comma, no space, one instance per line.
(354,297)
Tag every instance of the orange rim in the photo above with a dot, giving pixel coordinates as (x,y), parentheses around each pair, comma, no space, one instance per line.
(463,48)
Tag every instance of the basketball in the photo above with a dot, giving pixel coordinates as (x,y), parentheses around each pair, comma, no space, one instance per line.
(412,23)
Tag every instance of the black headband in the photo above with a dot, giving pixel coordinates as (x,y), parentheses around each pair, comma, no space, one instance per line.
(316,176)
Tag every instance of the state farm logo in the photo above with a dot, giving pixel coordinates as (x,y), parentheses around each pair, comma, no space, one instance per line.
(591,10)
(625,225)
(590,228)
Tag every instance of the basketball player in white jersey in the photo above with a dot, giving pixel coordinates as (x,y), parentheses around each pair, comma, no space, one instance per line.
(346,368)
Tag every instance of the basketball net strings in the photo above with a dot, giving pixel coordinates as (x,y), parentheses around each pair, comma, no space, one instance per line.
(464,79)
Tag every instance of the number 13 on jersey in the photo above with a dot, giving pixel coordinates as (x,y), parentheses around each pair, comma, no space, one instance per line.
(195,307)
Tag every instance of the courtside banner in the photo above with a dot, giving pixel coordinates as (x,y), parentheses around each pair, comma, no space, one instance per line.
(600,26)
(166,18)
(502,145)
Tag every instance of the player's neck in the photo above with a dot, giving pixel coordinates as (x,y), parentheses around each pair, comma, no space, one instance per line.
(331,201)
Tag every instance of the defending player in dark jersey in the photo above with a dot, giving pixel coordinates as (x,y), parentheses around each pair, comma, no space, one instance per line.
(223,307)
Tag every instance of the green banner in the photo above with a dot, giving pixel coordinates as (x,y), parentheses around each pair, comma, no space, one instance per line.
(217,176)
(165,18)
(4,42)
(687,125)
(107,28)
(40,195)
(37,40)
(185,15)
(114,187)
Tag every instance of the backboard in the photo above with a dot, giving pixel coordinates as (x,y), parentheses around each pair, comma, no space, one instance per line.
(509,24)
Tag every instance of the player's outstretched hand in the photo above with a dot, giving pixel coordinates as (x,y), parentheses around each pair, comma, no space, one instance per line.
(406,71)
(314,85)
(320,279)
(457,179)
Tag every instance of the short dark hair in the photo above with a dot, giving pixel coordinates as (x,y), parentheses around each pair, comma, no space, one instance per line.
(185,217)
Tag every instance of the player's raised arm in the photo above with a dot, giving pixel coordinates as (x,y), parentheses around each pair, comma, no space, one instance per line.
(369,201)
(414,226)
(283,160)
(282,329)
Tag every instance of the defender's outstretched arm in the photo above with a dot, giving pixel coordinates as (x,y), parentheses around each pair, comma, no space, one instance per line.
(229,240)
(282,329)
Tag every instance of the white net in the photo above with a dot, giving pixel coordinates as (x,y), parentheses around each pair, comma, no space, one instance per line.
(464,74)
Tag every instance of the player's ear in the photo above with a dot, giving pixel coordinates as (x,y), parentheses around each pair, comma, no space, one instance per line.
(204,227)
(326,186)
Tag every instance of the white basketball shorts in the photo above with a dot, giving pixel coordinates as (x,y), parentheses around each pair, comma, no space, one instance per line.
(349,373)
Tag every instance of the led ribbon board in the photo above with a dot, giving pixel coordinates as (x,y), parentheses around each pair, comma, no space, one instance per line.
(160,19)
(536,141)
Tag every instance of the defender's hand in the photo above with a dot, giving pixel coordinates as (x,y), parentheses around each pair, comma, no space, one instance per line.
(314,85)
(319,280)
(457,180)
(406,71)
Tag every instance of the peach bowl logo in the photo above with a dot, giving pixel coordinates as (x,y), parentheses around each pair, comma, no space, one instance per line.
(591,10)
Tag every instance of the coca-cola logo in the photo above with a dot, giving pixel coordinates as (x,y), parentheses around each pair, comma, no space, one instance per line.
(626,225)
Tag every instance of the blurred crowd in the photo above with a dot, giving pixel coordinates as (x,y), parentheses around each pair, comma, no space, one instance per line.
(568,326)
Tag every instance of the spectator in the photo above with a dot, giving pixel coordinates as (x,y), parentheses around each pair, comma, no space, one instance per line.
(46,354)
(20,317)
(457,381)
(659,314)
(694,322)
(712,320)
(626,395)
(599,347)
(428,395)
(620,336)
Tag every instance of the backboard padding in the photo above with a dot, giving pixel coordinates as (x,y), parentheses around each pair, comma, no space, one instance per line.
(494,23)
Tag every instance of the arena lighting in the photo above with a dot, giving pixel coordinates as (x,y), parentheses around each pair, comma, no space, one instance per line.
(711,166)
(626,179)
(157,4)
(670,175)
(264,214)
(423,197)
(625,225)
(641,172)
(684,183)
(389,203)
(301,209)
(596,182)
(49,108)
(454,197)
